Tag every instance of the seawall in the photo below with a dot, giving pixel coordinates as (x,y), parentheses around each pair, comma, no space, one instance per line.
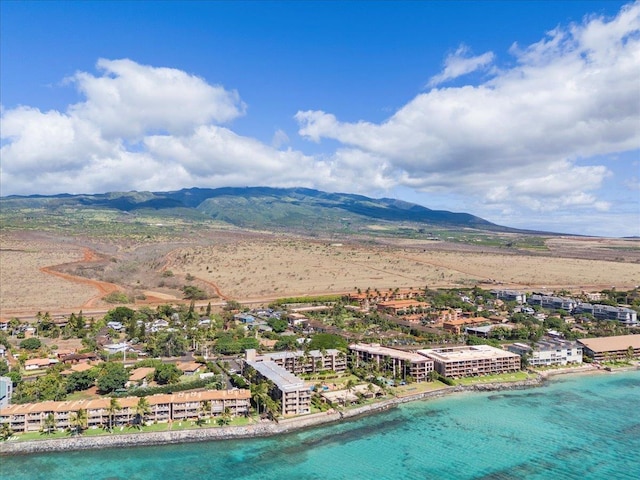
(261,429)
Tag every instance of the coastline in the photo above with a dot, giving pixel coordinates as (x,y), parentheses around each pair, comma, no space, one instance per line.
(284,426)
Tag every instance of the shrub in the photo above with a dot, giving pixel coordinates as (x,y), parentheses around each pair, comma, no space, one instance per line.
(31,344)
(117,297)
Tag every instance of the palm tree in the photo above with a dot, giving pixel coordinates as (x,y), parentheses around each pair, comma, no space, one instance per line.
(49,424)
(142,410)
(349,387)
(114,406)
(204,410)
(5,431)
(225,418)
(259,394)
(273,408)
(78,421)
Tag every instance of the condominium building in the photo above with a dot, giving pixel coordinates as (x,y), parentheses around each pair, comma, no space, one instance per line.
(611,348)
(623,315)
(299,361)
(292,393)
(402,307)
(397,362)
(30,417)
(510,296)
(551,302)
(549,351)
(472,360)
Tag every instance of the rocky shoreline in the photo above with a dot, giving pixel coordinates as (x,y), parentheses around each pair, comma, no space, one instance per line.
(262,429)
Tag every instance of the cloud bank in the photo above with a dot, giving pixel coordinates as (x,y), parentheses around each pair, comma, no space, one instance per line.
(516,142)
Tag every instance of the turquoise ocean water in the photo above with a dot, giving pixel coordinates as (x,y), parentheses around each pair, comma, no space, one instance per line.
(579,427)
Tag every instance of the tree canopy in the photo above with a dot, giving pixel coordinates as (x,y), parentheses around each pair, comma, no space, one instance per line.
(112,377)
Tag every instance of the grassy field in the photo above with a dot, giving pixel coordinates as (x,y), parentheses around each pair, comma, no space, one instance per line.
(502,378)
(151,261)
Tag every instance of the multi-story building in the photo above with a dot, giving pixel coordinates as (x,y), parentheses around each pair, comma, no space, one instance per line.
(611,348)
(623,315)
(299,361)
(402,307)
(6,389)
(30,417)
(397,362)
(457,326)
(549,351)
(510,296)
(551,302)
(292,393)
(472,360)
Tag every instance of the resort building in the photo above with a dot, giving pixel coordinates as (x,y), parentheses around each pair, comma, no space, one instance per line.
(552,303)
(399,363)
(292,393)
(402,307)
(299,361)
(457,325)
(30,417)
(510,296)
(623,315)
(549,351)
(612,348)
(472,360)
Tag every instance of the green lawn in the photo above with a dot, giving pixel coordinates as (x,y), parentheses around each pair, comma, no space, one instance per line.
(503,377)
(151,427)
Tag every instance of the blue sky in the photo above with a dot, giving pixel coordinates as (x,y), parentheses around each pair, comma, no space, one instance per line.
(524,113)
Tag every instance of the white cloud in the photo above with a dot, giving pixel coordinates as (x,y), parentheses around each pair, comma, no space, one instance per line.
(280,138)
(517,139)
(130,99)
(459,64)
(143,128)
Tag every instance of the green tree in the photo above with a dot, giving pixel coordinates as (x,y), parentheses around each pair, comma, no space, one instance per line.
(278,325)
(191,292)
(79,381)
(78,421)
(112,377)
(167,373)
(5,431)
(49,424)
(259,394)
(113,408)
(142,410)
(225,418)
(31,344)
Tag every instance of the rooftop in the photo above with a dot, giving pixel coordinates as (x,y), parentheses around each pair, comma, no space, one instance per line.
(376,349)
(609,344)
(285,381)
(464,353)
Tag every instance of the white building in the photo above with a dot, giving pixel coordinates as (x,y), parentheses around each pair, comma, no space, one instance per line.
(549,351)
(6,389)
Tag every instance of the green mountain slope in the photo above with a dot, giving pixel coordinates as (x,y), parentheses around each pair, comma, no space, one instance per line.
(264,207)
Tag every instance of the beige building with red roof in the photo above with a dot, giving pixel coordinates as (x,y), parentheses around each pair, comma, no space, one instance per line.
(29,417)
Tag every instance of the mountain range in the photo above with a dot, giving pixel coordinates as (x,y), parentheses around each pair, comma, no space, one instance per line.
(267,208)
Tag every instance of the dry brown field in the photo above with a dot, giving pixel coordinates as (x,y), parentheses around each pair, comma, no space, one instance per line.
(57,274)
